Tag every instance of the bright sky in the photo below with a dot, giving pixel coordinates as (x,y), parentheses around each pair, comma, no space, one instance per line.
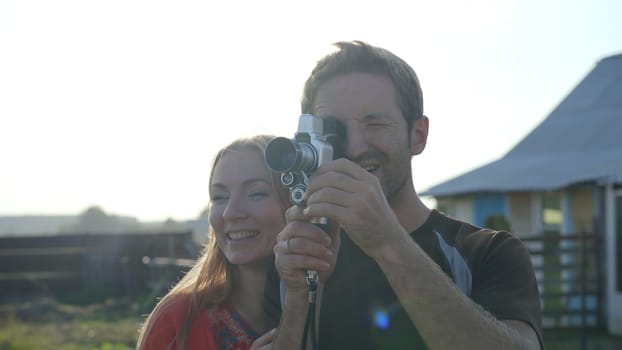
(123,104)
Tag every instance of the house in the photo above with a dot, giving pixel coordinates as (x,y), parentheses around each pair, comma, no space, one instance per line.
(565,177)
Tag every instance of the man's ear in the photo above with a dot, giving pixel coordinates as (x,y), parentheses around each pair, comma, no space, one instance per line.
(419,135)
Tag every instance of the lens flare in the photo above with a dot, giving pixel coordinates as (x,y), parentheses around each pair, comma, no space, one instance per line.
(381,319)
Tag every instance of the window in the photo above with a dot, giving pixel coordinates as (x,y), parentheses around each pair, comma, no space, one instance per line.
(551,212)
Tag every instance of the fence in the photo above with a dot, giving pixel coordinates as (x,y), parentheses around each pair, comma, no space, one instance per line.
(92,266)
(568,268)
(569,271)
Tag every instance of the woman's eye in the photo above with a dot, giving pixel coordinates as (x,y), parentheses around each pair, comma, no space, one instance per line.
(218,198)
(259,195)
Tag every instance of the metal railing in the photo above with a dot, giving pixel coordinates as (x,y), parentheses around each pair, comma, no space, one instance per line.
(569,270)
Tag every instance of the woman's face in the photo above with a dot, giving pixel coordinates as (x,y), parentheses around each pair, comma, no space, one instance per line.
(245,211)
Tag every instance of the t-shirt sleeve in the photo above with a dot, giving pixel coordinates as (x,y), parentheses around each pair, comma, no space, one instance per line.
(504,282)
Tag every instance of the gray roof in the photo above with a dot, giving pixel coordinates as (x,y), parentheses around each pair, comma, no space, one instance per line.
(580,141)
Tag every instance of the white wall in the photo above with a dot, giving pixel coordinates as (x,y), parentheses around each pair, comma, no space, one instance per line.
(460,208)
(614,297)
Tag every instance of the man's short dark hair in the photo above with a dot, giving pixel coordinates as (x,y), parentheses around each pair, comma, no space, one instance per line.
(360,57)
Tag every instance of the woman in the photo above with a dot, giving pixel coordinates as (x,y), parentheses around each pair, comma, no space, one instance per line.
(218,303)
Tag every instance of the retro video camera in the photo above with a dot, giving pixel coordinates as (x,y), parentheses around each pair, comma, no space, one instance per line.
(316,142)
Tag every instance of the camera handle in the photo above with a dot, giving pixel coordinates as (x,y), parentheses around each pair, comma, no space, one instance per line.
(322,223)
(312,282)
(297,181)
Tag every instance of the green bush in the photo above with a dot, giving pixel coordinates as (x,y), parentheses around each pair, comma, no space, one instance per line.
(497,222)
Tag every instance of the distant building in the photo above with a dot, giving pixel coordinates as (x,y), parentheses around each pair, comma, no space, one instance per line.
(565,176)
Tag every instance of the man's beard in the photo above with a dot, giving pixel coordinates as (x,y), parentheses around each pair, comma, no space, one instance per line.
(396,174)
(395,171)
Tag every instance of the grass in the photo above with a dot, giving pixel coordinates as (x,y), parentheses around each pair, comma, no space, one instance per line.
(47,325)
(113,325)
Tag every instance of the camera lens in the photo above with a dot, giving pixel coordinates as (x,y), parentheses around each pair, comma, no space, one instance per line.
(283,154)
(280,154)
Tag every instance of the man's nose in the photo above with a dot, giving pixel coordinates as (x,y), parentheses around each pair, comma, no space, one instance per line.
(356,144)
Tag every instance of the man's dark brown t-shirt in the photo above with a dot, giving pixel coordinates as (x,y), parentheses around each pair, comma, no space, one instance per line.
(361,311)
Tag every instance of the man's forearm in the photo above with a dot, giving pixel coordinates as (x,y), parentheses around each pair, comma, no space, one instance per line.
(443,315)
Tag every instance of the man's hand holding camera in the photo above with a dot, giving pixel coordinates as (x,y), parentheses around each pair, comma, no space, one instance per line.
(347,193)
(304,246)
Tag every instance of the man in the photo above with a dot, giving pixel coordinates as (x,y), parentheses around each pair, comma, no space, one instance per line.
(398,275)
